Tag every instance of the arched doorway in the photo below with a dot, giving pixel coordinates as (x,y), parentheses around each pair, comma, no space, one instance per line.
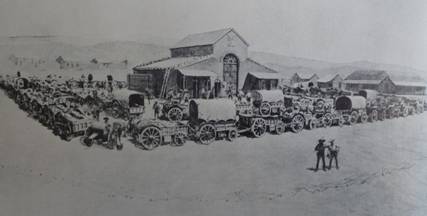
(231,73)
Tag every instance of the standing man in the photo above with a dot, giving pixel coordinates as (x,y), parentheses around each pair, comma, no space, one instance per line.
(333,153)
(156,107)
(148,95)
(107,128)
(320,153)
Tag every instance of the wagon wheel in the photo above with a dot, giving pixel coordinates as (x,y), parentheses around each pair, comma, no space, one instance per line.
(364,117)
(175,114)
(280,127)
(64,132)
(115,113)
(258,127)
(373,116)
(232,134)
(207,134)
(341,121)
(405,112)
(265,109)
(150,138)
(320,104)
(327,120)
(312,124)
(178,139)
(297,123)
(354,116)
(84,140)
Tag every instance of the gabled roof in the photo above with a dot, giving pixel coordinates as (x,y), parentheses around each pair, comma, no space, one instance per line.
(205,38)
(265,75)
(329,78)
(367,75)
(410,83)
(170,63)
(307,76)
(376,82)
(197,73)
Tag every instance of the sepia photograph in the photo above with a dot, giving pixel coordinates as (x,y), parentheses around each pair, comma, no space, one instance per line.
(213,107)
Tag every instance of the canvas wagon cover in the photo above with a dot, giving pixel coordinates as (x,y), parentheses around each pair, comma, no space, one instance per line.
(213,110)
(368,94)
(268,95)
(123,94)
(350,102)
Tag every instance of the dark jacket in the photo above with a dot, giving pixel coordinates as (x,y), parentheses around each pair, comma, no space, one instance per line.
(320,149)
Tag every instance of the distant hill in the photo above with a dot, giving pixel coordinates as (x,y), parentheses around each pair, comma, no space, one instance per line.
(289,65)
(37,54)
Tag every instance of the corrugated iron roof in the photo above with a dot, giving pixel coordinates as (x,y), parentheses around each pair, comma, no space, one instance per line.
(367,75)
(265,75)
(205,38)
(197,73)
(362,81)
(170,63)
(328,78)
(409,83)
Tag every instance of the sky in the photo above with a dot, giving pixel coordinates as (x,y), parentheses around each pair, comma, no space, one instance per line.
(387,31)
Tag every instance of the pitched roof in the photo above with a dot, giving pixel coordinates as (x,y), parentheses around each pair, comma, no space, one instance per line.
(363,81)
(168,63)
(205,38)
(197,73)
(367,75)
(265,75)
(307,76)
(329,78)
(410,83)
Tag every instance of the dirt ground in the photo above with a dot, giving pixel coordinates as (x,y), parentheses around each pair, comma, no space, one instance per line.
(382,172)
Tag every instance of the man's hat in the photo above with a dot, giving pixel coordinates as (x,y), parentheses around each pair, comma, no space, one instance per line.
(106,118)
(322,139)
(332,140)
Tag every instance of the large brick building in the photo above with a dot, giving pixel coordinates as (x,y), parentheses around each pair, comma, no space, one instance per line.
(216,60)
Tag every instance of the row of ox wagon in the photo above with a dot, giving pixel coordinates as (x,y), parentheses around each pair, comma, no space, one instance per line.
(71,112)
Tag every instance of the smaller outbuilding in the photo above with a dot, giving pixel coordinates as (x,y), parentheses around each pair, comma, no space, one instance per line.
(304,80)
(261,81)
(369,79)
(410,88)
(331,81)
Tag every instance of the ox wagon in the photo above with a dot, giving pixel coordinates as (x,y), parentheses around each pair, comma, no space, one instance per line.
(352,109)
(212,119)
(149,134)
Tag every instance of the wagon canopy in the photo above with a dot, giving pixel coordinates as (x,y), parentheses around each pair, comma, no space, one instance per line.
(368,93)
(350,102)
(212,110)
(267,95)
(129,97)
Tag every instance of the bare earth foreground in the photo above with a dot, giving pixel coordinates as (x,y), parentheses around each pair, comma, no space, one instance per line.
(383,172)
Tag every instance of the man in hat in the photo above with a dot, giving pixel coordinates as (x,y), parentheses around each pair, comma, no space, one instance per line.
(333,153)
(320,153)
(107,127)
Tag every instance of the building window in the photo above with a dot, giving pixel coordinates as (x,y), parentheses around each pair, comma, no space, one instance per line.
(231,73)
